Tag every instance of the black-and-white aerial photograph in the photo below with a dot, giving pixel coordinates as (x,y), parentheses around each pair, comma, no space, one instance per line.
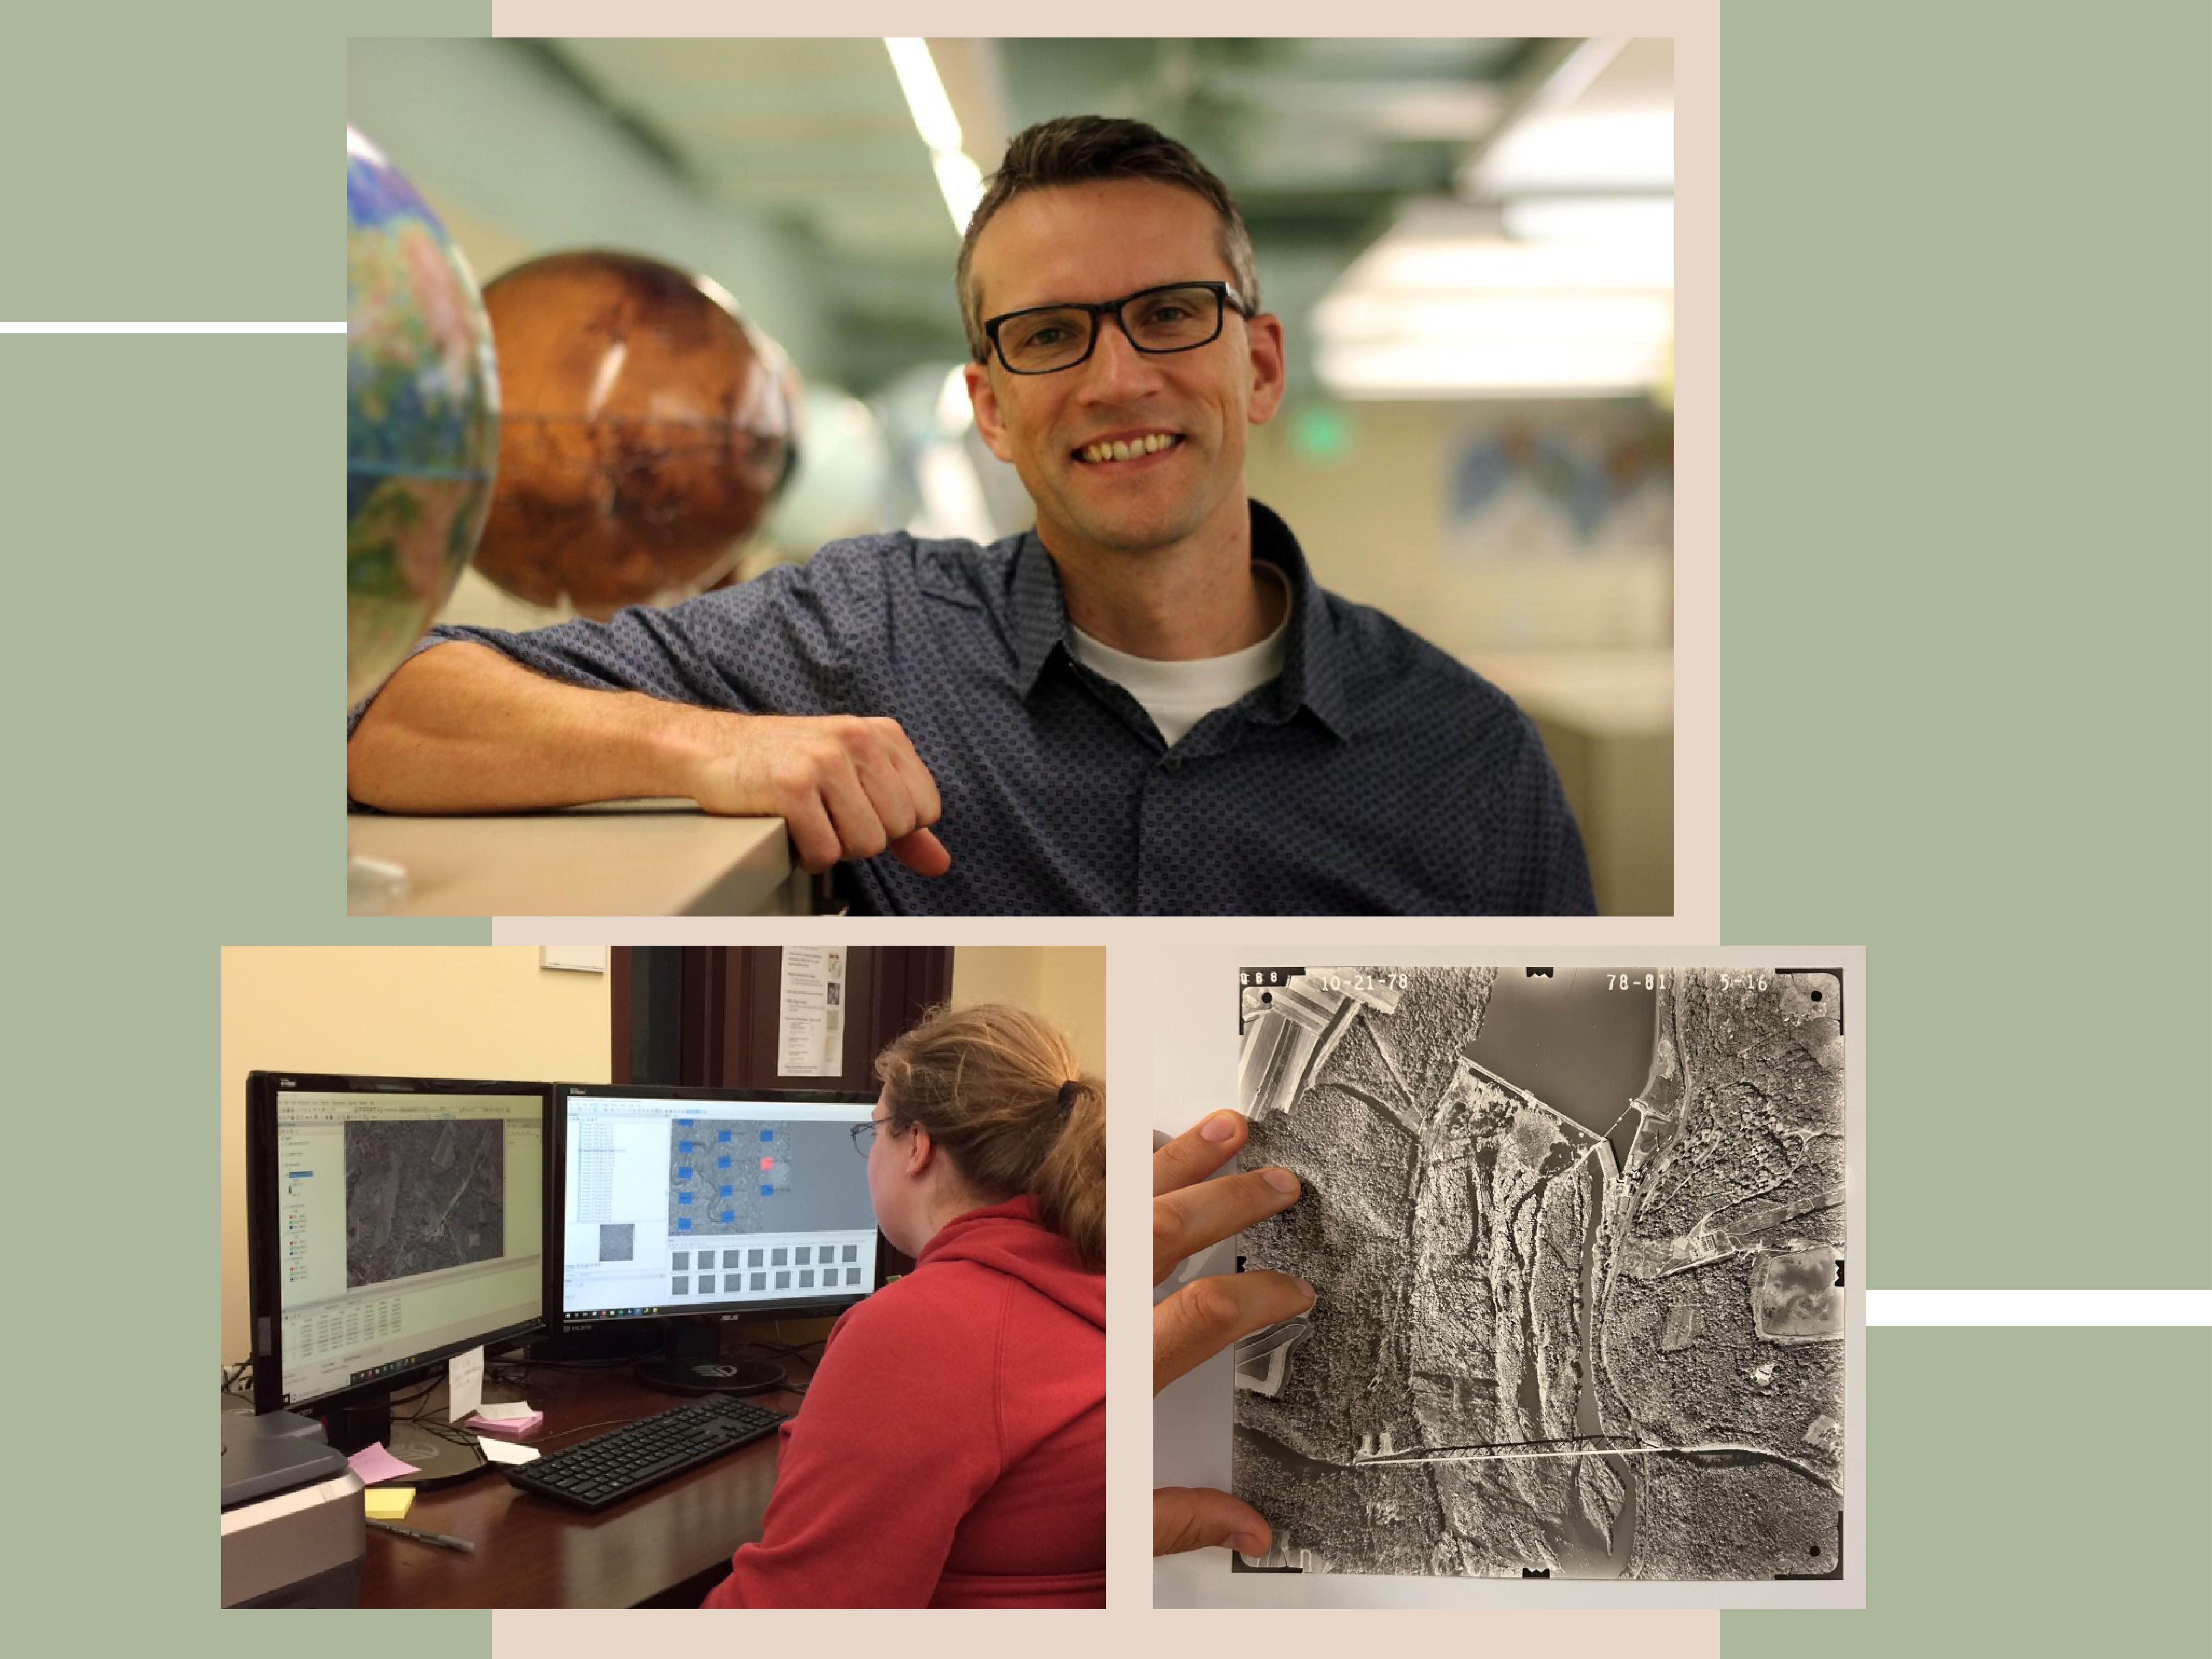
(422,1194)
(1578,1241)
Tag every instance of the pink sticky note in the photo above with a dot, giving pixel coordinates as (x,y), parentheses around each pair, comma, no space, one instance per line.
(373,1464)
(513,1428)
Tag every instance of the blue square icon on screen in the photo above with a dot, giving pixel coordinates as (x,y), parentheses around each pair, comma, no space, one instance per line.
(768,1192)
(683,1198)
(722,1135)
(683,1145)
(721,1163)
(683,1224)
(683,1172)
(728,1191)
(767,1135)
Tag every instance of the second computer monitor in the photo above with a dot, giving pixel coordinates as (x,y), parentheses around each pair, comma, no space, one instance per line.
(682,1200)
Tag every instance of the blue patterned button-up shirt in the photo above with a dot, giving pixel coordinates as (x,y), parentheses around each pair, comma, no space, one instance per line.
(1375,775)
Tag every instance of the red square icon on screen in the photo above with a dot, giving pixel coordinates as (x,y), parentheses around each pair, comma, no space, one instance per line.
(767,1164)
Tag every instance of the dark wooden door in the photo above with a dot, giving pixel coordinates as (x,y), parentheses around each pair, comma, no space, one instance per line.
(707,1014)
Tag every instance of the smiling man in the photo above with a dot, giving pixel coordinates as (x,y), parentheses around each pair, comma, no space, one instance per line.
(1144,706)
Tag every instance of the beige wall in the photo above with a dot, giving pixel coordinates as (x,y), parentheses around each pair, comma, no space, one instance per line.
(1374,527)
(1584,644)
(1065,984)
(404,1010)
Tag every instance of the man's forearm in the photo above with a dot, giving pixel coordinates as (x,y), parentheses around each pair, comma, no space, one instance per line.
(463,729)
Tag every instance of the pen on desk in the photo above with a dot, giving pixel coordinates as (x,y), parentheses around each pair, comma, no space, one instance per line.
(438,1538)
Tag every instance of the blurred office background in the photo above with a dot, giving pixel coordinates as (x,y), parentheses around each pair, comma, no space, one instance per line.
(1470,243)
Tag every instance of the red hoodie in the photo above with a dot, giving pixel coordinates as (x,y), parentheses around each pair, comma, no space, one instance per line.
(951,1451)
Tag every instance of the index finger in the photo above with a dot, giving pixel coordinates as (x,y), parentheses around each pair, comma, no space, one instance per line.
(1184,1222)
(1198,1151)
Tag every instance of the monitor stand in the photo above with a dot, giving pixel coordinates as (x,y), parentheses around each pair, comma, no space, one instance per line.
(694,1365)
(441,1460)
(350,1428)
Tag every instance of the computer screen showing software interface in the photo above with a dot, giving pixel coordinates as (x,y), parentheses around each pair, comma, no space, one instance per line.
(407,1223)
(672,1204)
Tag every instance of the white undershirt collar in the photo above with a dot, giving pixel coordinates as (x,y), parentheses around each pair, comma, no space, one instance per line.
(1179,694)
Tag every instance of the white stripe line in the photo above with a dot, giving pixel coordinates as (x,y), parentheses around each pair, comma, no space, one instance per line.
(172,328)
(2039,1307)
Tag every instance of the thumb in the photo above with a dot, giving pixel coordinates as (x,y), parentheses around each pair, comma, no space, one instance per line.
(1195,1517)
(922,853)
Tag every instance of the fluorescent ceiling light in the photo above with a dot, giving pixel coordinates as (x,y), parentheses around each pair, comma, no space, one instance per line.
(1561,347)
(1574,77)
(1591,219)
(958,178)
(1486,265)
(962,182)
(1580,149)
(1448,304)
(925,94)
(1535,320)
(1418,369)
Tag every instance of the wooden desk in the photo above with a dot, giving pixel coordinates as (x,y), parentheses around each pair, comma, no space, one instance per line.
(533,1553)
(640,858)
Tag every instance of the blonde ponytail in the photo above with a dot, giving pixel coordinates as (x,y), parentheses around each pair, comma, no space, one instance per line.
(1070,1185)
(997,1088)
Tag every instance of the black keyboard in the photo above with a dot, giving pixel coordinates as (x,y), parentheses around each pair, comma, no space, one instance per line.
(638,1456)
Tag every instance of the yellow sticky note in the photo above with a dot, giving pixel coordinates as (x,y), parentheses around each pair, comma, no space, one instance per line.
(389,1502)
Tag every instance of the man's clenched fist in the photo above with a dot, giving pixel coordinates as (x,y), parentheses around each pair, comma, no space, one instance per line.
(850,787)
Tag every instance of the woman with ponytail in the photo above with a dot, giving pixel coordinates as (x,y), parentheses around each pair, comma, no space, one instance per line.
(952,1448)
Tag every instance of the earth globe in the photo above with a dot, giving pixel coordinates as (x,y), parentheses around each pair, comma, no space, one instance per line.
(646,427)
(421,416)
(421,434)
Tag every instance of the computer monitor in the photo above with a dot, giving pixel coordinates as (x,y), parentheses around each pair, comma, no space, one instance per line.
(692,1205)
(392,1223)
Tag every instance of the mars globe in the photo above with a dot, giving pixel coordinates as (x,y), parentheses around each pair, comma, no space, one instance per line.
(646,428)
(421,416)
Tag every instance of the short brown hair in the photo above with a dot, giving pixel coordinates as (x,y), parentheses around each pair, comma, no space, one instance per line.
(1076,149)
(1000,1091)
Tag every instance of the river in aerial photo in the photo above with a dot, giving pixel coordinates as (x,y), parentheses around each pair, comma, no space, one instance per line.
(1580,1041)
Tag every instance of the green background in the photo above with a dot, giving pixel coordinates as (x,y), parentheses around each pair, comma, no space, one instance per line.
(168,502)
(1967,708)
(173,686)
(164,161)
(1966,578)
(2017,1506)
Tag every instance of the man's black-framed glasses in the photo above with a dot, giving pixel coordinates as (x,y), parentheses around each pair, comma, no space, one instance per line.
(1179,317)
(864,1134)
